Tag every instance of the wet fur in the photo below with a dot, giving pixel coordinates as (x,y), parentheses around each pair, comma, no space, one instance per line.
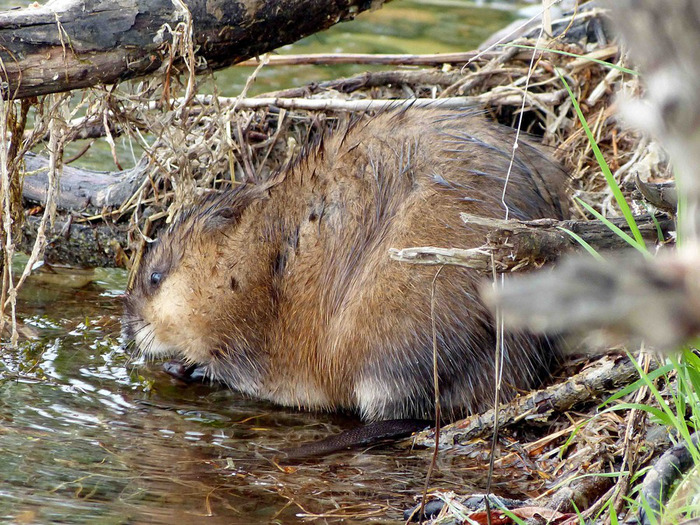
(285,290)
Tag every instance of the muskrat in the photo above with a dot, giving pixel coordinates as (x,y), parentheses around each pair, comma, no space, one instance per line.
(285,291)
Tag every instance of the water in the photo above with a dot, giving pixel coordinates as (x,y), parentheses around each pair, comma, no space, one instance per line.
(398,27)
(89,436)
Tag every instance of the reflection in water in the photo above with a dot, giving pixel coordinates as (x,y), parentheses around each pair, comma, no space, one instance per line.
(89,437)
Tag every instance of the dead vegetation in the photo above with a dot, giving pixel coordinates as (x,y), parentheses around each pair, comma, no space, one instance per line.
(193,144)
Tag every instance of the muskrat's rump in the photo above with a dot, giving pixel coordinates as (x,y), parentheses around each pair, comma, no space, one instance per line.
(285,290)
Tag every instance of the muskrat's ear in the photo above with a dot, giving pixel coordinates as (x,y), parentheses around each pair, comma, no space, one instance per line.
(223,217)
(226,209)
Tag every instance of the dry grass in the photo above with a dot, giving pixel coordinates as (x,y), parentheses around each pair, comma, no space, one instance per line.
(211,143)
(195,144)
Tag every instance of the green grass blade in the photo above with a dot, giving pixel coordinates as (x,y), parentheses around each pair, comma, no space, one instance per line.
(653,376)
(681,210)
(651,515)
(674,421)
(590,249)
(693,371)
(686,395)
(660,415)
(516,519)
(612,514)
(566,53)
(659,233)
(614,187)
(641,248)
(692,359)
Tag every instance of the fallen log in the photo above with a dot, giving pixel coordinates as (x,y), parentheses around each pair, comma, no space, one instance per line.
(86,245)
(73,44)
(515,245)
(81,189)
(604,377)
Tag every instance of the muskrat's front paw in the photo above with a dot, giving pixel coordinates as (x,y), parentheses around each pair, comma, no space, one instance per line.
(179,370)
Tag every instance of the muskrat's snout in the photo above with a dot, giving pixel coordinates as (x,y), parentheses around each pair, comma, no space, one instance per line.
(139,321)
(136,333)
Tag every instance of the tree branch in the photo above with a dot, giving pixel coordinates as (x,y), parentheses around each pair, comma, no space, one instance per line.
(514,244)
(71,44)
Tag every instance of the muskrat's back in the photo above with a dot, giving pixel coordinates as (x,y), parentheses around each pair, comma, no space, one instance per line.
(285,290)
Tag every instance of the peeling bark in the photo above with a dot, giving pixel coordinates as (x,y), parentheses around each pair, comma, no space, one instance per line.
(608,374)
(71,44)
(519,245)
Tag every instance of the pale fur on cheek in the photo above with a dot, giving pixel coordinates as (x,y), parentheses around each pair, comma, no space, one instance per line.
(176,328)
(149,344)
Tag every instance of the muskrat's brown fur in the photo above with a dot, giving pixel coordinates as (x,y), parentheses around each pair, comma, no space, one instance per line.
(285,290)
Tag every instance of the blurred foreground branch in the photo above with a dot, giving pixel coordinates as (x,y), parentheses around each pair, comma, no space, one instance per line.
(655,299)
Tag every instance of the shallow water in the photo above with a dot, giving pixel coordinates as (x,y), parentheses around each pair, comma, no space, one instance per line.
(438,26)
(89,436)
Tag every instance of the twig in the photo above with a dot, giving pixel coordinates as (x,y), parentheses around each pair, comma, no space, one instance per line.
(56,142)
(635,420)
(436,388)
(364,58)
(8,245)
(369,79)
(503,98)
(609,373)
(518,244)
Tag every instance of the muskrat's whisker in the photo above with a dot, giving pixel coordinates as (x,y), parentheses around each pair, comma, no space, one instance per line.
(144,349)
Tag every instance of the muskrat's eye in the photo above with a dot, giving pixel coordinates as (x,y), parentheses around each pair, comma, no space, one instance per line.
(156,277)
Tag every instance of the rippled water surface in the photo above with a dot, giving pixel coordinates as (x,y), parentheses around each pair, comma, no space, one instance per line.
(89,436)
